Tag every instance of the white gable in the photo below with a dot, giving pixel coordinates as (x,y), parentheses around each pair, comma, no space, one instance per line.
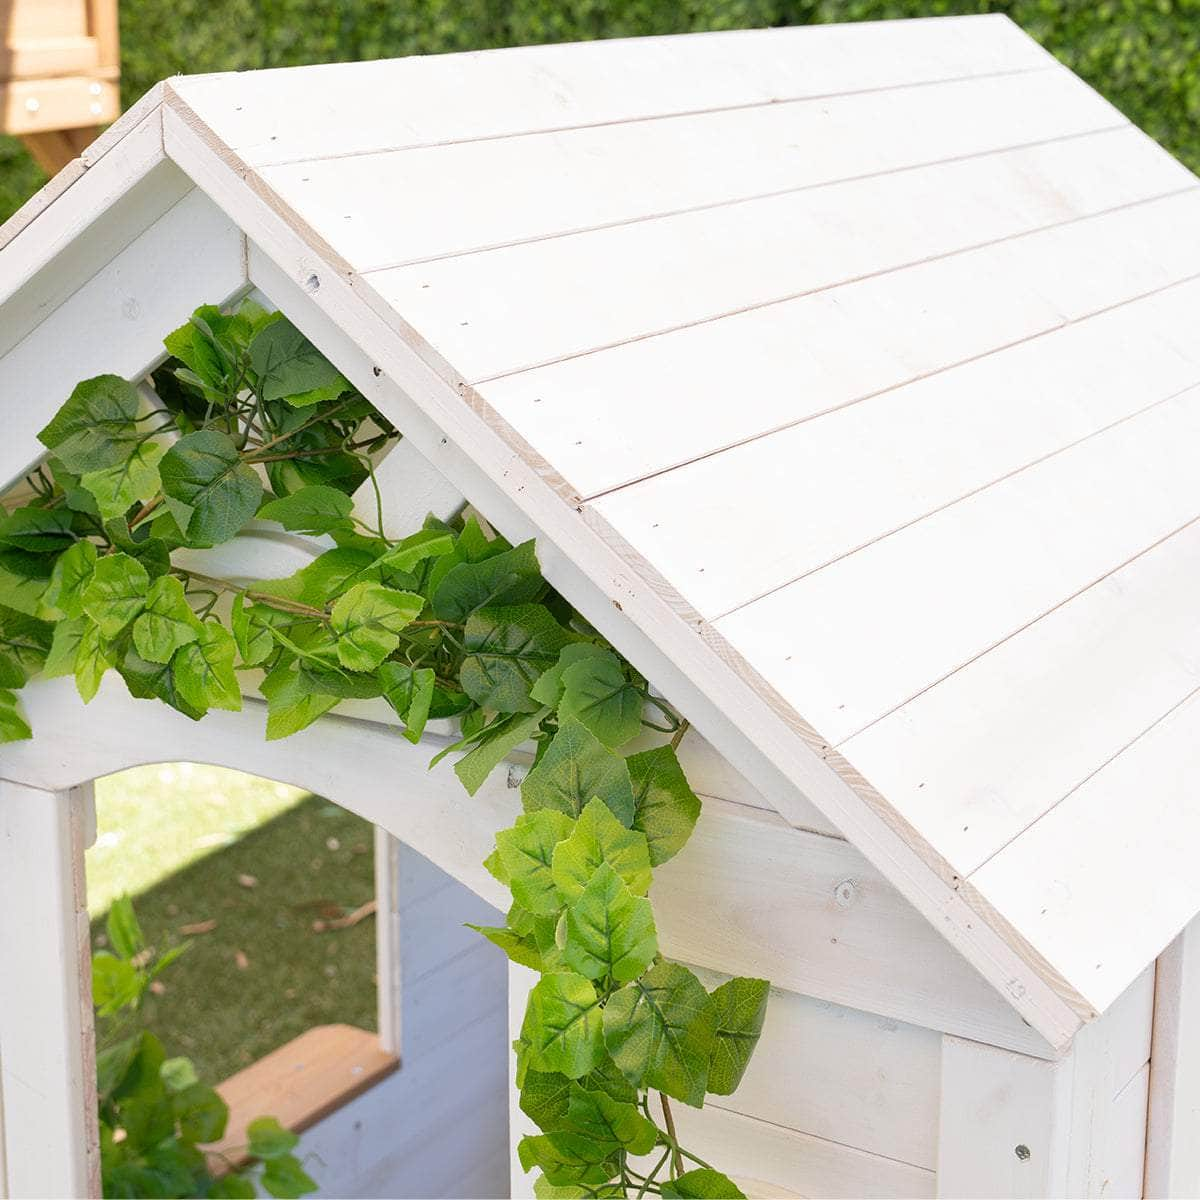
(854,369)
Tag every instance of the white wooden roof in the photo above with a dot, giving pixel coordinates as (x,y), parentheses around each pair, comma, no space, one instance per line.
(859,367)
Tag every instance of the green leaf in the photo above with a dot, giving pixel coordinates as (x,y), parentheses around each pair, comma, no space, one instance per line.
(196,350)
(286,1179)
(201,1114)
(512,577)
(521,948)
(702,1184)
(333,681)
(606,1121)
(597,693)
(408,554)
(251,624)
(367,620)
(660,1029)
(115,983)
(93,657)
(504,737)
(64,647)
(545,1097)
(563,1025)
(124,933)
(508,648)
(316,508)
(24,578)
(95,428)
(232,1187)
(289,367)
(166,623)
(209,490)
(577,767)
(410,693)
(526,851)
(13,725)
(135,477)
(291,706)
(149,680)
(72,569)
(740,1006)
(24,643)
(37,530)
(599,838)
(569,1159)
(666,806)
(204,671)
(543,1189)
(610,932)
(178,1074)
(322,579)
(115,593)
(268,1139)
(548,689)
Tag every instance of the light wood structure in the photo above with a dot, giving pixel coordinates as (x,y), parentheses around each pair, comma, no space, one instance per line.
(848,379)
(59,66)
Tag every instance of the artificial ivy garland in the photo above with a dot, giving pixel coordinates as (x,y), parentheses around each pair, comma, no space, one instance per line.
(246,420)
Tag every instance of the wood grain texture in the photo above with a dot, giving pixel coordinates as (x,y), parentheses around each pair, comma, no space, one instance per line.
(298,114)
(1172,1150)
(299,1084)
(412,205)
(47,1041)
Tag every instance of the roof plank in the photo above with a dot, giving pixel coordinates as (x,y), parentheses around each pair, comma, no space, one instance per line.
(854,641)
(830,484)
(418,204)
(301,113)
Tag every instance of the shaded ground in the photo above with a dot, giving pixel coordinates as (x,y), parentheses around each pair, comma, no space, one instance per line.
(261,975)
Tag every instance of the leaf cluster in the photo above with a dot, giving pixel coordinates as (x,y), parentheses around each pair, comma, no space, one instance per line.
(156,1116)
(100,572)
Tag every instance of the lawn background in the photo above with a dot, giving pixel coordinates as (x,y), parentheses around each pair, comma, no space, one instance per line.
(1144,55)
(258,868)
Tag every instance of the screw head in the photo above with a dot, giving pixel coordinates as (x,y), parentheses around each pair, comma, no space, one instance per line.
(1023,1153)
(845,893)
(32,104)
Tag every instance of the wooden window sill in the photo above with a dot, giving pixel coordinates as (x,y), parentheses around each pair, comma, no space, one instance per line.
(300,1083)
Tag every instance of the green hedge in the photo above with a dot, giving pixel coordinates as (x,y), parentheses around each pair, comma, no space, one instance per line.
(1144,55)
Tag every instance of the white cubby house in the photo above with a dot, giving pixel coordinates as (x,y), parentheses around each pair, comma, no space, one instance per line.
(848,378)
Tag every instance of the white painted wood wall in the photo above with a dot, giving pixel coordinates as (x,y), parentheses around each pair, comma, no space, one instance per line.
(439,1126)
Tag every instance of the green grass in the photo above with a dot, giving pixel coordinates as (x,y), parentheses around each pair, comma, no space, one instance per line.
(1144,55)
(179,838)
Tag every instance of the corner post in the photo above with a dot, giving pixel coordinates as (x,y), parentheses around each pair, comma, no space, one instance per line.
(47,1039)
(1172,1148)
(388,959)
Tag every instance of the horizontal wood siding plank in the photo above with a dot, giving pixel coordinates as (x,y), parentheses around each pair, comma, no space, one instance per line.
(757,1153)
(810,914)
(843,1075)
(507,310)
(315,112)
(418,204)
(865,635)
